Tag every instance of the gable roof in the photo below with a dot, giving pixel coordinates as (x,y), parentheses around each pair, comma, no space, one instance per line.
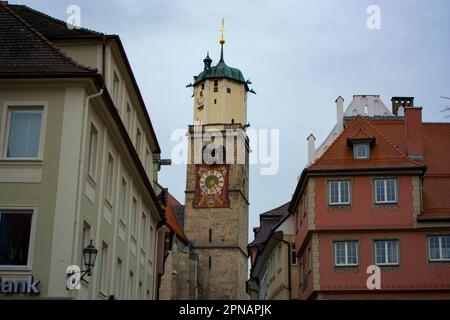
(268,221)
(383,154)
(24,50)
(51,27)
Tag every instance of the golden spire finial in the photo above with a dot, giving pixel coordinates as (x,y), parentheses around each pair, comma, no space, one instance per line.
(222,32)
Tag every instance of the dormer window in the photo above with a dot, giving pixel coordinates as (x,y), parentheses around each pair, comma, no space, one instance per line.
(361,151)
(361,147)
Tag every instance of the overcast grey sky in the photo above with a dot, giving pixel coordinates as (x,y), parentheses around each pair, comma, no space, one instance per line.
(300,55)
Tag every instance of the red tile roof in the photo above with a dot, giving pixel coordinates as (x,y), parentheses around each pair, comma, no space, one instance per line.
(436,184)
(172,221)
(383,154)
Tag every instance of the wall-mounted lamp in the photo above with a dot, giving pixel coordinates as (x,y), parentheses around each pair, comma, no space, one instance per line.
(89,257)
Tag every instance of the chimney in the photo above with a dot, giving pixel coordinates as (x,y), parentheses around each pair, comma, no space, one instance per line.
(340,113)
(311,149)
(401,102)
(413,131)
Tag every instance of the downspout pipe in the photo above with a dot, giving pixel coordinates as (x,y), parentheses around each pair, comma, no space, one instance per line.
(289,264)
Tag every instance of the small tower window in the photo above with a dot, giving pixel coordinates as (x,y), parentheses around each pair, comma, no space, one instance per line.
(215,101)
(216,83)
(229,90)
(361,151)
(203,86)
(216,89)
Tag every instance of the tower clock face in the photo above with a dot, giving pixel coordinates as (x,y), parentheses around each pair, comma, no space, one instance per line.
(212,182)
(211,189)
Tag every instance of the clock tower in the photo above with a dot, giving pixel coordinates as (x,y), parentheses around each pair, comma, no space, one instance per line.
(216,212)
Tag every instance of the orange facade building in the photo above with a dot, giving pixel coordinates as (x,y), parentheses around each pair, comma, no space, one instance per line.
(375,193)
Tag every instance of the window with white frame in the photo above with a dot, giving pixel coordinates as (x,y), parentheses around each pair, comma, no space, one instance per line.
(339,192)
(385,191)
(15,233)
(386,252)
(128,113)
(86,239)
(143,230)
(103,268)
(131,286)
(116,88)
(133,221)
(279,262)
(138,140)
(119,275)
(123,199)
(361,151)
(439,248)
(24,132)
(92,151)
(310,260)
(109,178)
(148,161)
(345,253)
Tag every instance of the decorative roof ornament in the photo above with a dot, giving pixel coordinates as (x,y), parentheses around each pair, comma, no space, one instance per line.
(222,38)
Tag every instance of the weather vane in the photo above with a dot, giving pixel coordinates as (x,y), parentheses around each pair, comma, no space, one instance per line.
(222,32)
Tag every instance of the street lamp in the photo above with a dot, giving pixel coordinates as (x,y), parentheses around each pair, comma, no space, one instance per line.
(89,256)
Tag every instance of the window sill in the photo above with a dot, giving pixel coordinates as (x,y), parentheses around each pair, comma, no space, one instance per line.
(102,295)
(108,204)
(346,268)
(439,262)
(16,269)
(21,161)
(91,180)
(122,223)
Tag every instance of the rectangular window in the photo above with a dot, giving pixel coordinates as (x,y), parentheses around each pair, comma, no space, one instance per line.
(216,83)
(310,260)
(386,191)
(123,199)
(386,252)
(131,285)
(109,178)
(119,275)
(143,230)
(86,240)
(345,253)
(15,232)
(339,192)
(141,290)
(361,151)
(24,134)
(116,87)
(103,268)
(228,90)
(92,152)
(138,140)
(134,217)
(293,255)
(279,258)
(148,160)
(128,117)
(439,248)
